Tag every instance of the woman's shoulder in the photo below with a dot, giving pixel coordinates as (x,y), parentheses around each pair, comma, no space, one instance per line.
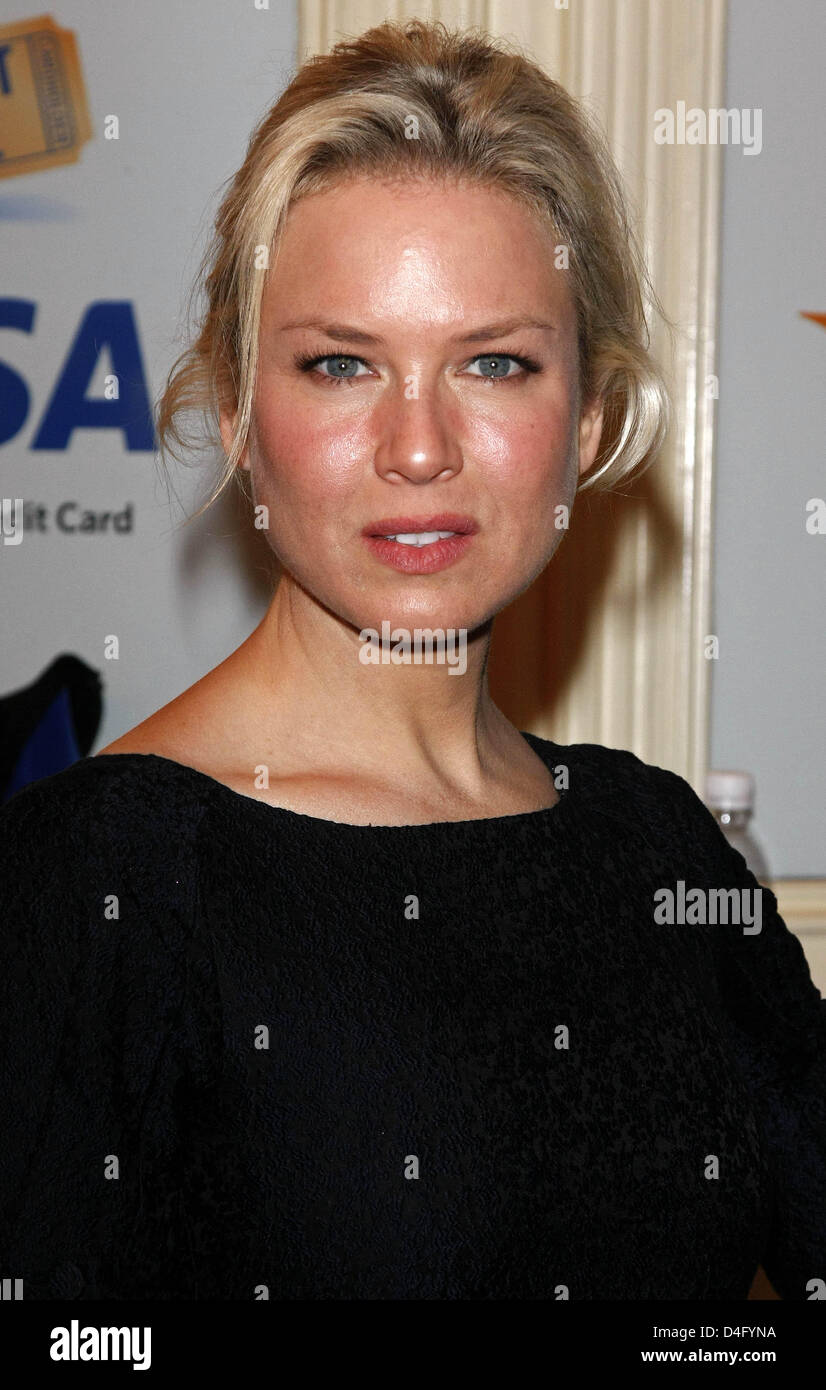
(101,812)
(627,797)
(99,858)
(116,780)
(618,776)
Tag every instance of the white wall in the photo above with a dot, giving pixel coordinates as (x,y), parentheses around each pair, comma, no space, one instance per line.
(769,685)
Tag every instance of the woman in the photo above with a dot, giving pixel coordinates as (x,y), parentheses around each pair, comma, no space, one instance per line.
(325,981)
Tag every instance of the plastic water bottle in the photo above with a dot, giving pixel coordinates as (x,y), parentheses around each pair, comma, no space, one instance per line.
(730,798)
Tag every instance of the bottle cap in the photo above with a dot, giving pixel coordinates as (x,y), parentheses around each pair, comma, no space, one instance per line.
(729,791)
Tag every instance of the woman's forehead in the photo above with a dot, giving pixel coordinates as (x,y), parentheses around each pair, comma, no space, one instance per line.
(397,249)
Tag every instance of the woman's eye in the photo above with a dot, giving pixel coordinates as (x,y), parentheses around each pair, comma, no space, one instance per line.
(343,368)
(495,365)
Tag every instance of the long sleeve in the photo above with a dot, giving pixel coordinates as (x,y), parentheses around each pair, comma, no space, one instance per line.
(92,992)
(776,1022)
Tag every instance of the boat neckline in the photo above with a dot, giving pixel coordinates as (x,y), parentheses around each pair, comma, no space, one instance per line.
(539,816)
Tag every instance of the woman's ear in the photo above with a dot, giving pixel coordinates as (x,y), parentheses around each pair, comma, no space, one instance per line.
(590,432)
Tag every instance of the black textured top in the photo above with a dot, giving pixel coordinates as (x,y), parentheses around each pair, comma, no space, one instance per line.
(248,1052)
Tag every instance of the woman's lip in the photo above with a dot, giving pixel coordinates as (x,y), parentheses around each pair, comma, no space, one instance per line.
(420,559)
(413,525)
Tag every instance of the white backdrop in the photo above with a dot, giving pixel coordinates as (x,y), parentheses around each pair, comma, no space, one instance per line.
(126,224)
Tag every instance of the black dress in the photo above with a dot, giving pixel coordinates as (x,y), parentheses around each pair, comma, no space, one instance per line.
(248,1053)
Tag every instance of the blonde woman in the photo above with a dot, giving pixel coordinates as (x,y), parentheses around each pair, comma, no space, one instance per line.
(388,1009)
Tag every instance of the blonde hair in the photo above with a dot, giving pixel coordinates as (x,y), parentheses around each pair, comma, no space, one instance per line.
(481,113)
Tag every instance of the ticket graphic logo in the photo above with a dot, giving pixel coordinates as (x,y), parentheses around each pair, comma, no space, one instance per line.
(44,115)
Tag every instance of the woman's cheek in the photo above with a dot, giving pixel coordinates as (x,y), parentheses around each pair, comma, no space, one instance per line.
(526,459)
(294,457)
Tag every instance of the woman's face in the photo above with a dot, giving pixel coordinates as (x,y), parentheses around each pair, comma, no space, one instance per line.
(446,396)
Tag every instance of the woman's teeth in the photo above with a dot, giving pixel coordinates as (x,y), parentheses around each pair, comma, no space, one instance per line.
(421,537)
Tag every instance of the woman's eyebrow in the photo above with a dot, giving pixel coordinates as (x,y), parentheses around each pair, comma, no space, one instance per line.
(357,335)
